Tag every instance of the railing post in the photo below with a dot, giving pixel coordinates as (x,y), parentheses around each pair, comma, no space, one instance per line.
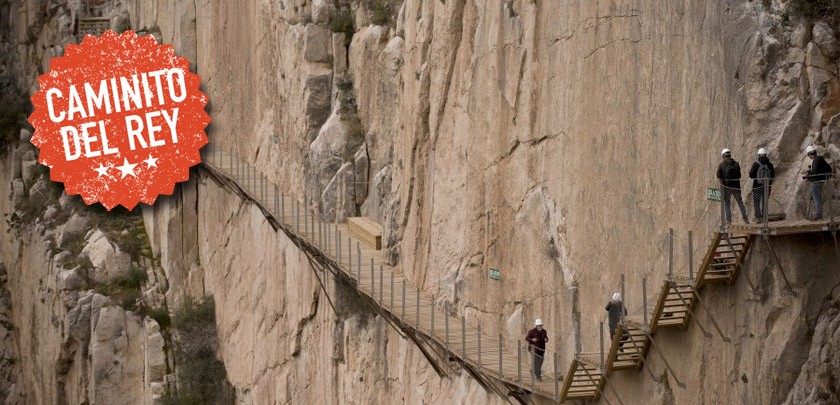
(338,247)
(350,259)
(519,363)
(359,266)
(601,330)
(722,214)
(830,194)
(766,205)
(464,336)
(372,281)
(392,291)
(556,380)
(276,200)
(501,370)
(417,311)
(644,300)
(446,329)
(432,333)
(381,284)
(670,253)
(690,257)
(623,295)
(479,345)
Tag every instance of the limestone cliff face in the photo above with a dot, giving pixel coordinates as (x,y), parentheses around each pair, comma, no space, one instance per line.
(556,141)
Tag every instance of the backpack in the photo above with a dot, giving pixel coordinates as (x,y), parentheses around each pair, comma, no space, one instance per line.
(763,173)
(732,171)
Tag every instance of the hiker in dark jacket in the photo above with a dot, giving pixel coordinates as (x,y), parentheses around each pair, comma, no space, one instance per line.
(729,174)
(615,310)
(818,173)
(762,172)
(536,339)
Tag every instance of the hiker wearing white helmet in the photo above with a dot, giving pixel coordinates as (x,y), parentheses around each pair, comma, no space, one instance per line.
(536,338)
(818,173)
(729,174)
(615,310)
(762,172)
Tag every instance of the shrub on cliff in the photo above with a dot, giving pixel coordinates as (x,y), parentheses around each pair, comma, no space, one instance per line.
(201,377)
(14,108)
(828,10)
(342,21)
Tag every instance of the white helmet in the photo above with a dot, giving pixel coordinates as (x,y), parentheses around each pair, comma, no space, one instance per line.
(617,297)
(810,149)
(725,151)
(538,322)
(762,152)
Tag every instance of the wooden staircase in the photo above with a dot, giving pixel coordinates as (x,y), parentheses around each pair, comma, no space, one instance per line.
(674,308)
(584,381)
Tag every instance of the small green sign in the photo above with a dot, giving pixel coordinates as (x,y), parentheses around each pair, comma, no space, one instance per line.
(713,194)
(275,138)
(494,274)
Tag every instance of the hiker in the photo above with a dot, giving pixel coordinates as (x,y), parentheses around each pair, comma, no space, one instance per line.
(615,310)
(818,173)
(729,174)
(762,172)
(536,339)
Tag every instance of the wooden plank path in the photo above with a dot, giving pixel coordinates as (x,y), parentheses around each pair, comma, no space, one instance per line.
(387,286)
(788,226)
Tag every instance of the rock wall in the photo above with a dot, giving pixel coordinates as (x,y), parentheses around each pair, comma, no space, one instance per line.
(555,141)
(65,340)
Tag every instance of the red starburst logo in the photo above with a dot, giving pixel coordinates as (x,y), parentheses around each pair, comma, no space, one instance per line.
(119,119)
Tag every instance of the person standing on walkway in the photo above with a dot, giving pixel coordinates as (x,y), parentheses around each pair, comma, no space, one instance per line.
(818,173)
(729,174)
(762,172)
(536,338)
(615,310)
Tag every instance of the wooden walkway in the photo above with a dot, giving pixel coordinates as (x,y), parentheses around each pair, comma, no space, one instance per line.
(415,315)
(787,227)
(410,310)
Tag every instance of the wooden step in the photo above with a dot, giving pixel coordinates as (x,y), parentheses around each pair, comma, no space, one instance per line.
(717,276)
(666,321)
(583,383)
(583,389)
(581,396)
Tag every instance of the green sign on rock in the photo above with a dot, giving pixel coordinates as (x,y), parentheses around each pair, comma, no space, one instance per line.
(494,274)
(713,194)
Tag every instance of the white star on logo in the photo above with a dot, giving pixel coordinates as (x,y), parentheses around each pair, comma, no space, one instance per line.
(151,162)
(102,170)
(126,169)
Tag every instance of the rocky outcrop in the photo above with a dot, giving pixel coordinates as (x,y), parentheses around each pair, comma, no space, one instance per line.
(63,340)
